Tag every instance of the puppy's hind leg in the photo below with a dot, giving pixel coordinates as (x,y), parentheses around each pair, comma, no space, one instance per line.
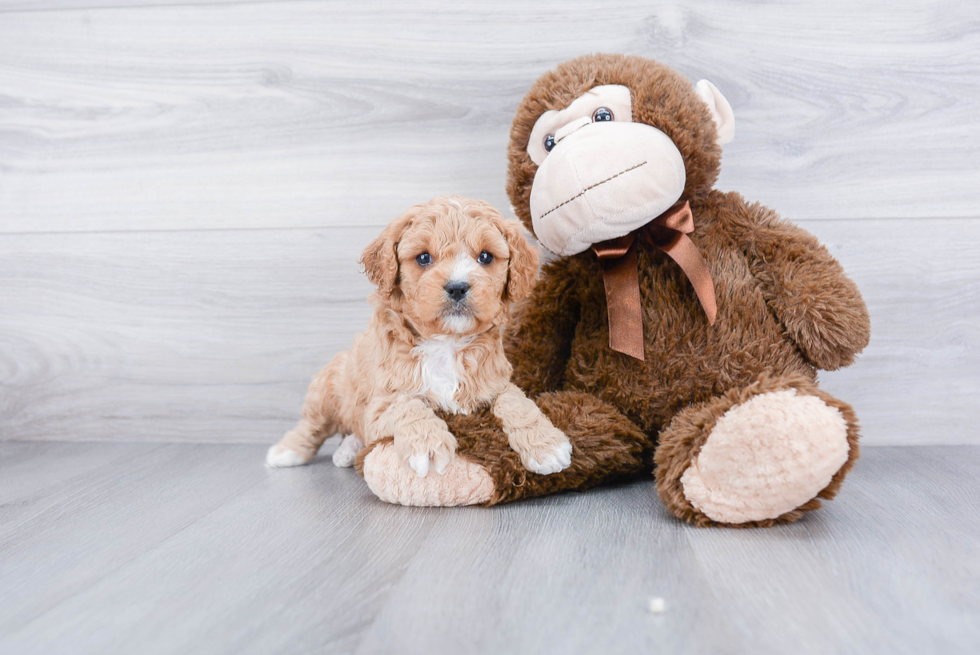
(346,453)
(320,419)
(298,446)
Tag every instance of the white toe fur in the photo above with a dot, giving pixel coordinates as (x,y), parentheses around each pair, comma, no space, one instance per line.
(558,459)
(347,451)
(419,464)
(547,466)
(565,454)
(767,457)
(280,457)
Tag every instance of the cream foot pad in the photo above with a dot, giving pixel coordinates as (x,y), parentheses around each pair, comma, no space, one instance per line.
(767,457)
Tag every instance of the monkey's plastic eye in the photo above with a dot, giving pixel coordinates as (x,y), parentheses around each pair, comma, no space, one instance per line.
(485,258)
(549,142)
(602,114)
(424,259)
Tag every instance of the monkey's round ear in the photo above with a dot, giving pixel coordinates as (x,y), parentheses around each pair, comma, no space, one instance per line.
(380,258)
(721,111)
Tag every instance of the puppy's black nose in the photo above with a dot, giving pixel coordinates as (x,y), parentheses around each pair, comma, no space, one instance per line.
(457,290)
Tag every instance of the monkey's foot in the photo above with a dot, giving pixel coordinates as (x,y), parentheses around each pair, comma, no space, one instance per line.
(763,459)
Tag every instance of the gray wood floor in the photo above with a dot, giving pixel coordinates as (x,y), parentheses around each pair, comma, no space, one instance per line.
(191,548)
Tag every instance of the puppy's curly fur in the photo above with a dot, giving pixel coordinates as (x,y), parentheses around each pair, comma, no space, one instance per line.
(447,273)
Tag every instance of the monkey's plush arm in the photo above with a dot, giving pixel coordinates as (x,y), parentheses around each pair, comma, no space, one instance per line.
(539,339)
(820,307)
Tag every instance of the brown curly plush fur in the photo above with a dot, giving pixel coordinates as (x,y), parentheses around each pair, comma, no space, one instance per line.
(785,309)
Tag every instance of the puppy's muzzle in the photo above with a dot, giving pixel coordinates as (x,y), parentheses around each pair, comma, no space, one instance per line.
(457,291)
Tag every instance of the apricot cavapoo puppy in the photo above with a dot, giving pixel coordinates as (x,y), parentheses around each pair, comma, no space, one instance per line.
(447,273)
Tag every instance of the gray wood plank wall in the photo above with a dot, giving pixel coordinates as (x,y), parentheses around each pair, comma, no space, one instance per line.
(185,187)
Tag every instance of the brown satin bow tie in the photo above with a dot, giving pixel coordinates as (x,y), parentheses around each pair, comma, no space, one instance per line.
(668,232)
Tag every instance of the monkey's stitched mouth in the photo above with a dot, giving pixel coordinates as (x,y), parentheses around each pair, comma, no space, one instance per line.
(589,188)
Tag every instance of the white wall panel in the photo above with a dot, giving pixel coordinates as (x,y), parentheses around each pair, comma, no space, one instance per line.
(185,186)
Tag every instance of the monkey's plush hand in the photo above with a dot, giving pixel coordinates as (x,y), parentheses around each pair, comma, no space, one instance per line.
(821,308)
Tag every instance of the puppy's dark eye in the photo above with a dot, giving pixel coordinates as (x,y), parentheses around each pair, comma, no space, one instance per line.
(602,114)
(485,258)
(549,142)
(424,259)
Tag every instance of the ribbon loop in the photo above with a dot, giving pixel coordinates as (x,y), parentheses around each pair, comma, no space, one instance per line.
(614,247)
(679,218)
(668,232)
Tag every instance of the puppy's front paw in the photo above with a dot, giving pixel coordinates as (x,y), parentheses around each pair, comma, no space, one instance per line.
(544,449)
(433,450)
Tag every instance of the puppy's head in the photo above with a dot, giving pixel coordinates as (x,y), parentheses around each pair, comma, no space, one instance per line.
(452,266)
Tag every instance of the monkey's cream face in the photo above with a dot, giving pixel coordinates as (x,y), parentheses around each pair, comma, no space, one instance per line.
(601,175)
(452,274)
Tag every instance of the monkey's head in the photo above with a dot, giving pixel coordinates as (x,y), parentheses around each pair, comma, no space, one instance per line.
(604,144)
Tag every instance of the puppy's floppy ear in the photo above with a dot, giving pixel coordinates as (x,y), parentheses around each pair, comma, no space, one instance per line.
(380,258)
(522,269)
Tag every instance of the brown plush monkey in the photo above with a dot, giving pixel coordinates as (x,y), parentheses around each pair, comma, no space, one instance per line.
(679,329)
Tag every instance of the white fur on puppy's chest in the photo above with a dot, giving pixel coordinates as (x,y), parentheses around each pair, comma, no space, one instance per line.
(439,368)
